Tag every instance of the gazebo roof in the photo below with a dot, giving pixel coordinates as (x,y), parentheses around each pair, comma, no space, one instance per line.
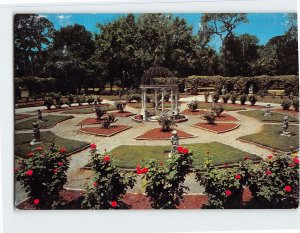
(158,76)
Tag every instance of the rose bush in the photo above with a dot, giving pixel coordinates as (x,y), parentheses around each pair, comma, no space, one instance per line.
(165,182)
(43,175)
(109,183)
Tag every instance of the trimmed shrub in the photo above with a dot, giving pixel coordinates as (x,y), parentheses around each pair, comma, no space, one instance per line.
(210,117)
(48,102)
(166,121)
(165,182)
(215,97)
(225,98)
(43,176)
(296,103)
(206,96)
(120,106)
(90,100)
(193,105)
(99,113)
(233,97)
(252,99)
(218,109)
(70,99)
(58,100)
(109,183)
(243,99)
(79,100)
(286,104)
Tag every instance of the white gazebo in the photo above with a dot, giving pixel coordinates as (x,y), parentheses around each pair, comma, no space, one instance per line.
(161,80)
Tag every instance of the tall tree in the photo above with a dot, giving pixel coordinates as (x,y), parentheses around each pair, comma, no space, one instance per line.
(32,35)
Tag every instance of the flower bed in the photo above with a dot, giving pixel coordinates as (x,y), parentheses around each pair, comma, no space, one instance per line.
(122,114)
(22,116)
(157,134)
(226,117)
(98,131)
(181,118)
(217,128)
(231,107)
(188,112)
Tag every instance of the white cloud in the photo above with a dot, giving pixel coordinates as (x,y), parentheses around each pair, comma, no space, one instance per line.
(61,17)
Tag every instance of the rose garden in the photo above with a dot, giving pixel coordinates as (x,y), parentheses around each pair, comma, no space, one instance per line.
(170,141)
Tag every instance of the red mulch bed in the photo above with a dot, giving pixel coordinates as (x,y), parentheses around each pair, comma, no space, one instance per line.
(122,114)
(157,134)
(98,131)
(197,112)
(89,121)
(288,112)
(22,116)
(217,128)
(70,108)
(136,201)
(226,117)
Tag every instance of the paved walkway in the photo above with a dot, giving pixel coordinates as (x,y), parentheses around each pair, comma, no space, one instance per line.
(80,178)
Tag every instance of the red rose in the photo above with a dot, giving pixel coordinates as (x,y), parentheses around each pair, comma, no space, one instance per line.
(226,165)
(161,163)
(29,173)
(247,157)
(60,163)
(185,151)
(296,160)
(113,203)
(144,170)
(93,146)
(36,201)
(288,188)
(39,149)
(138,170)
(106,159)
(237,176)
(292,165)
(270,156)
(62,150)
(179,149)
(30,154)
(268,172)
(228,193)
(55,170)
(95,184)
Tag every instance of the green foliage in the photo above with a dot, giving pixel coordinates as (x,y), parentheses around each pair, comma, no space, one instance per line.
(243,99)
(48,102)
(233,97)
(206,96)
(58,100)
(70,99)
(99,113)
(286,104)
(43,176)
(225,98)
(166,121)
(110,184)
(108,120)
(218,109)
(165,182)
(90,100)
(210,117)
(193,105)
(252,99)
(296,103)
(215,97)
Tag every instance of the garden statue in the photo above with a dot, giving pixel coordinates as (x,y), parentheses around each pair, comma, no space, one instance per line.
(174,141)
(39,115)
(285,127)
(223,90)
(109,119)
(268,111)
(36,134)
(251,89)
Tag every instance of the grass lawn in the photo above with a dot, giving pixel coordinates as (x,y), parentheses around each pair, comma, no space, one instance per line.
(270,136)
(275,116)
(22,146)
(203,105)
(48,121)
(131,156)
(88,110)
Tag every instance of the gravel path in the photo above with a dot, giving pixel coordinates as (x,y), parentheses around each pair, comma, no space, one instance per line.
(80,178)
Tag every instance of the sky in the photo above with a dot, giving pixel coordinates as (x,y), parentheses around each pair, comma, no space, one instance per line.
(264,26)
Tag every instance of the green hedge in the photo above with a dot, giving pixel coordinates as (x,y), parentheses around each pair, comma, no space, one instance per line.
(261,84)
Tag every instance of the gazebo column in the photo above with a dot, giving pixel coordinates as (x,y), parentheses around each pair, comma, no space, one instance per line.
(176,102)
(155,99)
(162,99)
(144,105)
(172,104)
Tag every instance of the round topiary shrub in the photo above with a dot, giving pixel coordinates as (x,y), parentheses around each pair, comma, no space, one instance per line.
(243,99)
(218,109)
(193,105)
(233,97)
(252,99)
(296,103)
(206,96)
(286,104)
(48,102)
(225,98)
(166,121)
(215,97)
(210,117)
